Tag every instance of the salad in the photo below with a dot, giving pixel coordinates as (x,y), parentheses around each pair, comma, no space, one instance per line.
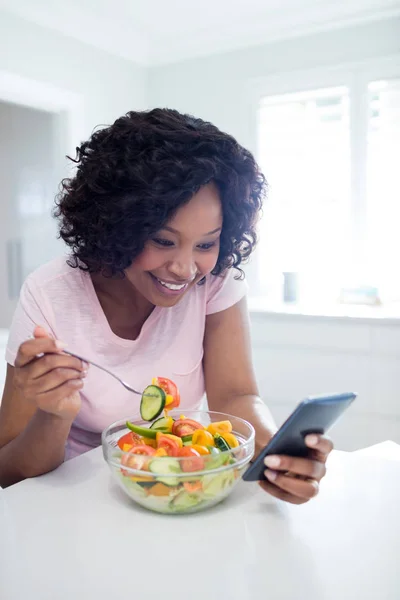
(177,464)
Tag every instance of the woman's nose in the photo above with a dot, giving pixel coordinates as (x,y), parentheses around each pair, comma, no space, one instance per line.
(183,267)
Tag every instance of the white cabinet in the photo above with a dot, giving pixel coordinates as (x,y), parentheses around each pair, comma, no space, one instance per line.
(297,356)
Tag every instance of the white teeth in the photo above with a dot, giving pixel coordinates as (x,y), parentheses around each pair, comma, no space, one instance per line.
(171,286)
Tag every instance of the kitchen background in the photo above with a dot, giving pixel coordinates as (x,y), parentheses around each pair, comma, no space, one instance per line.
(312,87)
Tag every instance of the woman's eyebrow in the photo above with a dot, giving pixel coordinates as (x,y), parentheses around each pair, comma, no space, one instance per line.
(172,230)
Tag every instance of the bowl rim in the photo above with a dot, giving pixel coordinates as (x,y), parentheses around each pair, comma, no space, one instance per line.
(232,452)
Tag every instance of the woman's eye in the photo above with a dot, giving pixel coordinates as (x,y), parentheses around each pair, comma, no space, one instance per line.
(161,242)
(206,246)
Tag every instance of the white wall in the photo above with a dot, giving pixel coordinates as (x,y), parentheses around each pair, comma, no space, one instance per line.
(29,177)
(98,86)
(108,86)
(44,69)
(217,87)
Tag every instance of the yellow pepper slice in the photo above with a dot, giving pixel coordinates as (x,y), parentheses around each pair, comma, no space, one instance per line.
(220,427)
(230,439)
(161,452)
(202,450)
(142,478)
(202,437)
(127,447)
(169,423)
(168,399)
(150,442)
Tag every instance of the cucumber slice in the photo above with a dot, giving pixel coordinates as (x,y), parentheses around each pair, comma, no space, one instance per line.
(217,484)
(217,461)
(184,500)
(187,438)
(221,443)
(213,450)
(153,402)
(165,466)
(162,424)
(134,488)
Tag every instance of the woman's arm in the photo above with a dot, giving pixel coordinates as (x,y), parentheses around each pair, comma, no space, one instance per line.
(231,388)
(31,441)
(40,401)
(229,376)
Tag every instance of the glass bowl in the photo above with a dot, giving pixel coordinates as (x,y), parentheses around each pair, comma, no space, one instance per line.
(180,485)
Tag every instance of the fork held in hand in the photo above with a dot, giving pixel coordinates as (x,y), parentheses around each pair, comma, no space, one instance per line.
(90,362)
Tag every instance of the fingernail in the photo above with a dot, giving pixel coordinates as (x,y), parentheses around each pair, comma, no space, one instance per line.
(84,374)
(60,345)
(312,440)
(85,366)
(271,475)
(272,461)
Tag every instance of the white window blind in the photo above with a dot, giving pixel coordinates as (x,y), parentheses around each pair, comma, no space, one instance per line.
(383,185)
(333,209)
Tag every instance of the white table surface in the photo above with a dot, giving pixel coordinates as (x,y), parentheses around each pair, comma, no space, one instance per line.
(72,535)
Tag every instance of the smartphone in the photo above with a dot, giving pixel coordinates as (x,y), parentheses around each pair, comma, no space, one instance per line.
(315,414)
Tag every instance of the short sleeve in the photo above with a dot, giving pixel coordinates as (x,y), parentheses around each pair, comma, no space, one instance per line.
(30,312)
(224,291)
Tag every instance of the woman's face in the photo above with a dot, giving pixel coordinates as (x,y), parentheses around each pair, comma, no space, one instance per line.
(181,253)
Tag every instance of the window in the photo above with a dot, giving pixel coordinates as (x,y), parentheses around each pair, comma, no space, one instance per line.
(331,156)
(383,185)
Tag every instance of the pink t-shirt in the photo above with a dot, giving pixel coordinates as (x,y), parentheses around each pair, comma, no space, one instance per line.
(170,343)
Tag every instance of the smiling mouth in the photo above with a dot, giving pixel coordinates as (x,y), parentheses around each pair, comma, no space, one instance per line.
(174,287)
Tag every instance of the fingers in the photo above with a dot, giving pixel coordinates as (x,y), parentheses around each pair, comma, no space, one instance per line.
(59,392)
(311,469)
(321,446)
(62,400)
(40,332)
(281,494)
(30,349)
(52,380)
(294,479)
(301,488)
(50,362)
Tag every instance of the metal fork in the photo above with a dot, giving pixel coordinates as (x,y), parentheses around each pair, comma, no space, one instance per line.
(126,385)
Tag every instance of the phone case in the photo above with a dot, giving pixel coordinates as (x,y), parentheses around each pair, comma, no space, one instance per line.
(316,414)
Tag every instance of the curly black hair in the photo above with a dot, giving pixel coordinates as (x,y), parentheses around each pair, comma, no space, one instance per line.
(133,176)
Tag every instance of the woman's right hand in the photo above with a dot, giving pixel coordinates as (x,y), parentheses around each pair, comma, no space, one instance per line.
(48,378)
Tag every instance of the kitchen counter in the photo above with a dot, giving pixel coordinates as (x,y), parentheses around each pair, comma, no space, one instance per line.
(73,534)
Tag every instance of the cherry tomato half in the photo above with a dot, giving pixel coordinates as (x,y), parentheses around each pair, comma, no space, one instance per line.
(169,444)
(136,458)
(131,438)
(183,427)
(193,461)
(169,388)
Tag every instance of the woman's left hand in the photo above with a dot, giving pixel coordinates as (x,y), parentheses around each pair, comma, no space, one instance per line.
(296,480)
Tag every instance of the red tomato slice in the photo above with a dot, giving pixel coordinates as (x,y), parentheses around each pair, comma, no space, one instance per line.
(183,427)
(193,461)
(130,438)
(169,445)
(169,387)
(136,457)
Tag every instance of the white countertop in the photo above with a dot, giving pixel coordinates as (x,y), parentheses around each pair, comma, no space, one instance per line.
(72,535)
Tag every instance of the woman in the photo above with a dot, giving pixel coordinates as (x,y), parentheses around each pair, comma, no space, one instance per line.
(158,218)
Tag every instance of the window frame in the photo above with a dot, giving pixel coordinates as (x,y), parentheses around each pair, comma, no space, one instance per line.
(356,76)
